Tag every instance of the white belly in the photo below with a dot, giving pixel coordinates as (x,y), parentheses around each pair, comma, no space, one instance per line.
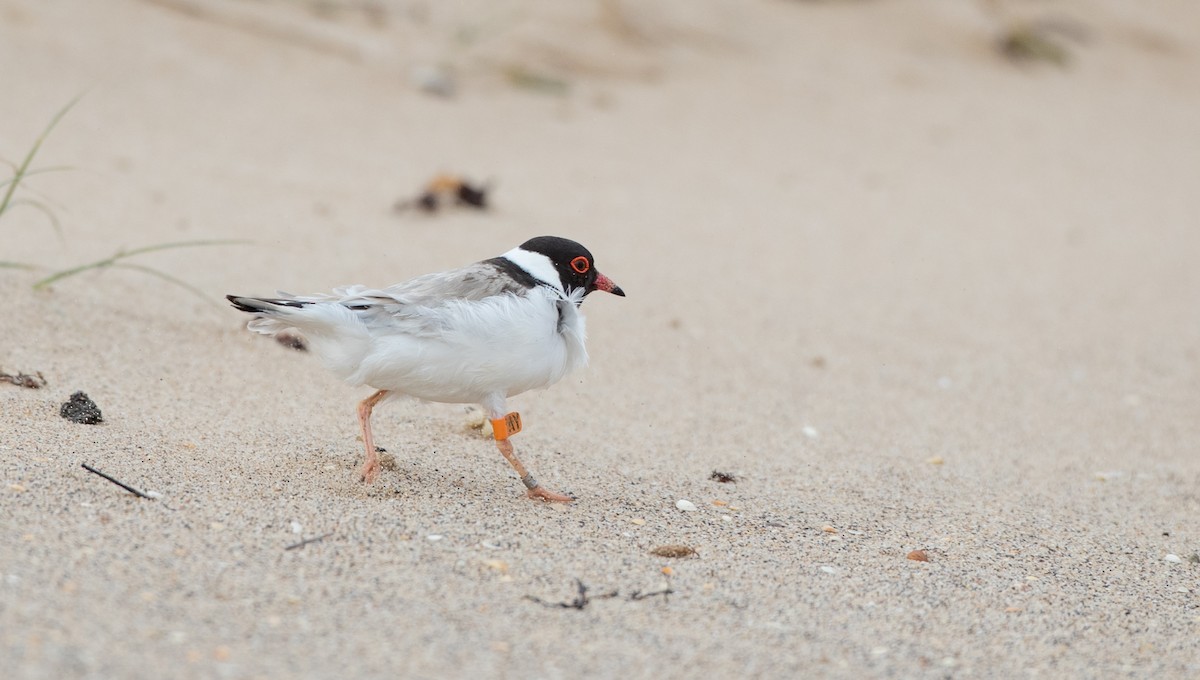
(500,346)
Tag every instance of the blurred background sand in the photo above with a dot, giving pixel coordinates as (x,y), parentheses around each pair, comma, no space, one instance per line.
(920,275)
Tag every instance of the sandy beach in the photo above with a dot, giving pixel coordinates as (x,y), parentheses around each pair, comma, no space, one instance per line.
(932,304)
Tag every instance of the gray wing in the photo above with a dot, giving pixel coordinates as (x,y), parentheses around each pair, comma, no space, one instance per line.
(473,282)
(414,304)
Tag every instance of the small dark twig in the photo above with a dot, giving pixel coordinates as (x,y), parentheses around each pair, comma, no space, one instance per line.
(306,541)
(665,592)
(123,485)
(581,600)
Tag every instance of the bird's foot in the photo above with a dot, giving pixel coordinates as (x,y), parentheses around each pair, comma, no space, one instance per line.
(541,492)
(369,472)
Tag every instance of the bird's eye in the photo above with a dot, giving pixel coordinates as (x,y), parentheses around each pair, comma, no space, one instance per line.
(581,265)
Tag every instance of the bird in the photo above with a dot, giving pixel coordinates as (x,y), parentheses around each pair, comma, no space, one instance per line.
(479,334)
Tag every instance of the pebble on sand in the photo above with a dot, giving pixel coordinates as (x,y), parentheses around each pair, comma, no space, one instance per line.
(1174,559)
(686,505)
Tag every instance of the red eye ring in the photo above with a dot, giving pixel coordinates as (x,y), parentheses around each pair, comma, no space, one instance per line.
(581,265)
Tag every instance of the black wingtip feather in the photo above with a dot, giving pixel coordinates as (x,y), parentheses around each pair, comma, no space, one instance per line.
(243,303)
(236,301)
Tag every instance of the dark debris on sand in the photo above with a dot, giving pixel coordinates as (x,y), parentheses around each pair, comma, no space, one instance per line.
(581,600)
(33,382)
(81,409)
(447,190)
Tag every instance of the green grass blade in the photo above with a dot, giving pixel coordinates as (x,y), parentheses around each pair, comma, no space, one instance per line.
(167,277)
(57,276)
(45,210)
(23,168)
(181,244)
(38,171)
(16,265)
(120,255)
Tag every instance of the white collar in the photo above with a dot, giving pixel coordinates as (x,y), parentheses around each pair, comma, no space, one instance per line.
(538,266)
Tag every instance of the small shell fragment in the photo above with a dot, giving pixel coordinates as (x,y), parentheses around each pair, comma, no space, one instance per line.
(918,556)
(673,551)
(686,505)
(1174,559)
(638,521)
(436,79)
(828,529)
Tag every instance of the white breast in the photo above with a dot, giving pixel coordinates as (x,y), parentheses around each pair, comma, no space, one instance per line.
(505,344)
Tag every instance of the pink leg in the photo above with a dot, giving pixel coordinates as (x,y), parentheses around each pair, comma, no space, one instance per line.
(501,426)
(534,490)
(370,468)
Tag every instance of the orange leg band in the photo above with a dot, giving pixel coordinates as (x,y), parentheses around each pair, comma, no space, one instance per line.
(503,428)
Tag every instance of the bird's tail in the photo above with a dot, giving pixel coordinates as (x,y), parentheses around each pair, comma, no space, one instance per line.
(271,315)
(334,334)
